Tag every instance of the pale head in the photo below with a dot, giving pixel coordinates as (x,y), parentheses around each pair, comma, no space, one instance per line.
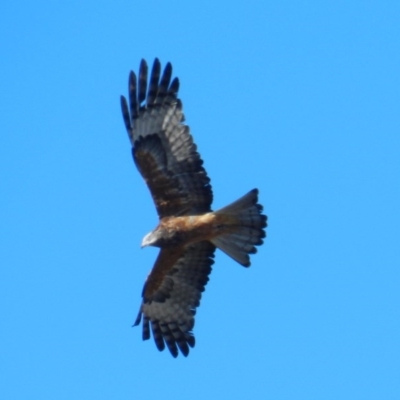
(151,239)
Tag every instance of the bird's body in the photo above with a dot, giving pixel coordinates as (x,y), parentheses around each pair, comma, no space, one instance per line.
(188,230)
(175,231)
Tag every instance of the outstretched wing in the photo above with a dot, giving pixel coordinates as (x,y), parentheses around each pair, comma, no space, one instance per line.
(172,293)
(162,146)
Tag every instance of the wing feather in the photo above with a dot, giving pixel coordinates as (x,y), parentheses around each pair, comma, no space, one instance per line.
(132,99)
(162,146)
(171,294)
(142,82)
(173,89)
(164,84)
(153,86)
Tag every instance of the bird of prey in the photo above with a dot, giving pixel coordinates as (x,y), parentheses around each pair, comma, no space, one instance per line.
(188,231)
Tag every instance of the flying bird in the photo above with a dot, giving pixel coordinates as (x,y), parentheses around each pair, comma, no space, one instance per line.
(188,231)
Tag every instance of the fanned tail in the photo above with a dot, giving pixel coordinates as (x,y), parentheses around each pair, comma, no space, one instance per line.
(244,228)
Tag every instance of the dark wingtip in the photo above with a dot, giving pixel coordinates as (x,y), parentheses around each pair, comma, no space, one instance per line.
(142,81)
(138,318)
(154,82)
(168,67)
(174,351)
(125,114)
(143,64)
(247,263)
(264,221)
(191,340)
(185,352)
(124,104)
(174,87)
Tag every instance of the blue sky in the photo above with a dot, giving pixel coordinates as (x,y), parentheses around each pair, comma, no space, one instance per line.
(298,99)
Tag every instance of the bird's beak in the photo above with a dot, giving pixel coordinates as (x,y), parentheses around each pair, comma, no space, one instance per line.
(147,240)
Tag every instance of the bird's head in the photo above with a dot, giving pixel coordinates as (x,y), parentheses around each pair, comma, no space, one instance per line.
(151,239)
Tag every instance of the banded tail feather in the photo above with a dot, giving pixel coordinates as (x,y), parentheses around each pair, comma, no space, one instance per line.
(245,228)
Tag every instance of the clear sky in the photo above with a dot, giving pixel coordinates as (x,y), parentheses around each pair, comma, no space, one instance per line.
(300,99)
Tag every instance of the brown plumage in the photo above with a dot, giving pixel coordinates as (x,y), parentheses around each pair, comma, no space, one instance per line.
(188,232)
